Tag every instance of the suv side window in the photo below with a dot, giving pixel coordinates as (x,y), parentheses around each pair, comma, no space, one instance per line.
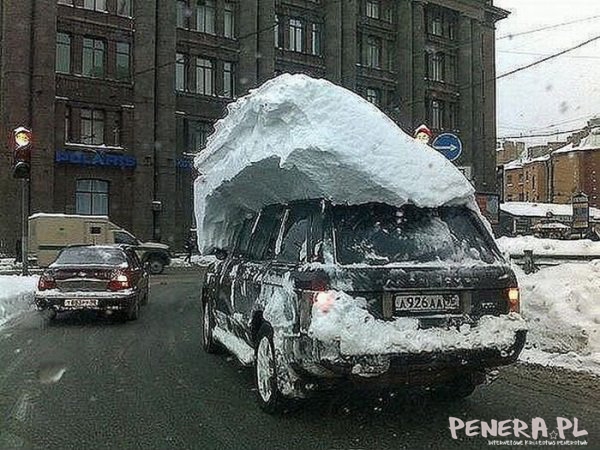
(294,242)
(243,239)
(265,233)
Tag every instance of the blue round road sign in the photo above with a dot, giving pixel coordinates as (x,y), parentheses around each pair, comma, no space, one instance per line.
(449,145)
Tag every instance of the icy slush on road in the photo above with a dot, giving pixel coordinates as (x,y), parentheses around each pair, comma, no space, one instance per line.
(348,252)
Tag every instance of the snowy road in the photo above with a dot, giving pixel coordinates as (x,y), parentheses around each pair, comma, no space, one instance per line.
(84,383)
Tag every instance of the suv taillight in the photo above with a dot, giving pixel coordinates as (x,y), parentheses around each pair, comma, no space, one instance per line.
(119,282)
(514,299)
(46,282)
(324,300)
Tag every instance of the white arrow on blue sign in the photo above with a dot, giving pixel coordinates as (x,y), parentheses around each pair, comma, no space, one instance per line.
(449,145)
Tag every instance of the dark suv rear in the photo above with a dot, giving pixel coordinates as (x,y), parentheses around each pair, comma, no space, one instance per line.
(316,294)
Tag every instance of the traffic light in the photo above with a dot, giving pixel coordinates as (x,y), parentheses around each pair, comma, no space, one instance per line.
(22,143)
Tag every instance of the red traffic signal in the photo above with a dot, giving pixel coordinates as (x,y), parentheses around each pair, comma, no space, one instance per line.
(22,142)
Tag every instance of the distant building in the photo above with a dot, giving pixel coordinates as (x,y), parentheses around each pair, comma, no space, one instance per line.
(554,175)
(522,218)
(121,94)
(509,151)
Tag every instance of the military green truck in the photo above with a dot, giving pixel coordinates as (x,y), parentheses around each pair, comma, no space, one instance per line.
(50,233)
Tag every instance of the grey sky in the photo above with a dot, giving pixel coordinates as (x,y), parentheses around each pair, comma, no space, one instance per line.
(561,94)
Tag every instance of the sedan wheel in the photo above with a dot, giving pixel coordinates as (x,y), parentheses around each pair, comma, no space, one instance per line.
(156,266)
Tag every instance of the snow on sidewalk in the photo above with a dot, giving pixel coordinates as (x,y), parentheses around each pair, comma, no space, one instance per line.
(16,295)
(515,246)
(562,307)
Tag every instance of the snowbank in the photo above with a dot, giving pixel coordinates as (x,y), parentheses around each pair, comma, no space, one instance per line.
(16,295)
(543,247)
(358,332)
(296,138)
(562,307)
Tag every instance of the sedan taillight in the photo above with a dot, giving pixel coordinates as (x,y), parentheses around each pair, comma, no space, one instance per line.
(46,282)
(119,282)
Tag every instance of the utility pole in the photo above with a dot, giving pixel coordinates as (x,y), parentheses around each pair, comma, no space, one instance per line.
(25,226)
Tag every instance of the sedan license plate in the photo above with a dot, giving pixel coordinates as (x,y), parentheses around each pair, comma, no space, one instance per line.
(427,303)
(81,302)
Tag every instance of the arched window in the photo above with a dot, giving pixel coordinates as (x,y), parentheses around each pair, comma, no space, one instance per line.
(92,197)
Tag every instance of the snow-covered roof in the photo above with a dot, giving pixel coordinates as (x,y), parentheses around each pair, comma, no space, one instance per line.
(67,216)
(529,209)
(590,142)
(296,138)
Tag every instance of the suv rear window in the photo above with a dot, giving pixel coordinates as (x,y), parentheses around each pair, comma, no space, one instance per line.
(90,256)
(377,234)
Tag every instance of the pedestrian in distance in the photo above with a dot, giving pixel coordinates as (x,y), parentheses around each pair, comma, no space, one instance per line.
(189,248)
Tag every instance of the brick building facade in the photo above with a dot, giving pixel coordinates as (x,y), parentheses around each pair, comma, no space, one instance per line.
(556,177)
(121,93)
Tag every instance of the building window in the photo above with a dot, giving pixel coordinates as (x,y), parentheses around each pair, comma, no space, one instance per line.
(92,126)
(124,8)
(435,24)
(435,66)
(372,9)
(91,197)
(389,13)
(509,179)
(229,20)
(533,182)
(228,80)
(63,53)
(520,178)
(181,72)
(435,114)
(123,69)
(374,96)
(117,130)
(183,14)
(96,5)
(450,68)
(196,133)
(68,124)
(204,77)
(295,35)
(452,116)
(278,33)
(316,39)
(93,58)
(205,16)
(374,52)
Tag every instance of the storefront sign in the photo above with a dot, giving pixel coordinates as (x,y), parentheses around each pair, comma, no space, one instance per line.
(96,158)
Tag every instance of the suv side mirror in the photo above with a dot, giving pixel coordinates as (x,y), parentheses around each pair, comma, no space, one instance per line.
(220,253)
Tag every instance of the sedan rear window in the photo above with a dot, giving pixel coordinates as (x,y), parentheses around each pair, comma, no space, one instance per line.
(377,234)
(90,256)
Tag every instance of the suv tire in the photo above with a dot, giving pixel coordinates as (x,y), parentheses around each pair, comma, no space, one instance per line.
(155,265)
(270,398)
(208,325)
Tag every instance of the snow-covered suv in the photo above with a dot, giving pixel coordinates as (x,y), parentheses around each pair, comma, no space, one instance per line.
(316,294)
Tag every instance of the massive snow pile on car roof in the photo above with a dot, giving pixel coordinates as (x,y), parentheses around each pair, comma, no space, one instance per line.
(296,138)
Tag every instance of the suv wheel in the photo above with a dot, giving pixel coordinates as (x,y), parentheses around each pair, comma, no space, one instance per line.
(269,396)
(208,325)
(155,266)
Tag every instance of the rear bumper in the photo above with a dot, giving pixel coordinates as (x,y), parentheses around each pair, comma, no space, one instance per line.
(104,301)
(312,358)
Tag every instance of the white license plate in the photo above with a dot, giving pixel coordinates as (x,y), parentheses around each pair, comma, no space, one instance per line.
(81,302)
(427,303)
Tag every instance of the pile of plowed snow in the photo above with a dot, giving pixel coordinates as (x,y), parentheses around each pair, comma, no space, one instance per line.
(16,295)
(297,138)
(562,308)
